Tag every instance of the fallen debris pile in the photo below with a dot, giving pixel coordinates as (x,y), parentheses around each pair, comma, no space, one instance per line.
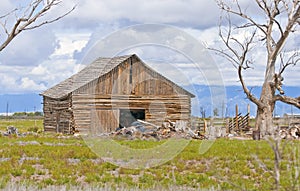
(144,130)
(12,131)
(293,132)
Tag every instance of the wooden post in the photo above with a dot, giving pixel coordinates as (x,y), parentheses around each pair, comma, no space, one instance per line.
(205,126)
(236,117)
(248,112)
(248,108)
(227,125)
(57,121)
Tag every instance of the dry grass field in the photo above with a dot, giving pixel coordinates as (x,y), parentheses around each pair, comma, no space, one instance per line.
(56,162)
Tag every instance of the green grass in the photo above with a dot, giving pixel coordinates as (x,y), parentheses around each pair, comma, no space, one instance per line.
(225,165)
(23,125)
(45,160)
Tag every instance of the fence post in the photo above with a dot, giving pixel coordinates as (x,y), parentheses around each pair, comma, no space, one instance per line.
(227,125)
(248,111)
(205,126)
(236,117)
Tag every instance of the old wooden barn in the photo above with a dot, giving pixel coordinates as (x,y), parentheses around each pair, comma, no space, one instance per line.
(111,93)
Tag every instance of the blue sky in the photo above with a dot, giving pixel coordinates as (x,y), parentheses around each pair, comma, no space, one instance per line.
(39,59)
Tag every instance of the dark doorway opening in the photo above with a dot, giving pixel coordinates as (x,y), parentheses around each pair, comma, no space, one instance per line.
(128,116)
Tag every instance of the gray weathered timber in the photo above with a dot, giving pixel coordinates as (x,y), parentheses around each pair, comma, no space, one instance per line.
(94,97)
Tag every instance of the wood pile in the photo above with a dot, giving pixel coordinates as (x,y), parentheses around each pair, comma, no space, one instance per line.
(11,130)
(290,133)
(144,130)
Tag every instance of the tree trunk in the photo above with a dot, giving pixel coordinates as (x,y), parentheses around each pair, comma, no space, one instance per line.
(264,115)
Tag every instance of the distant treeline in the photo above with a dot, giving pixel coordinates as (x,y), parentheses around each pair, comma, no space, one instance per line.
(21,115)
(29,114)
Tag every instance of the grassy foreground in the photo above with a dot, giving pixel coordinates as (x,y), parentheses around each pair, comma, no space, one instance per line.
(23,125)
(42,161)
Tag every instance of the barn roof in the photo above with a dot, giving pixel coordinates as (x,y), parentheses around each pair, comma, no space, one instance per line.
(91,72)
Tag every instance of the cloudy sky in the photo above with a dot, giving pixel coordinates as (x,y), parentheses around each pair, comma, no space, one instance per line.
(168,35)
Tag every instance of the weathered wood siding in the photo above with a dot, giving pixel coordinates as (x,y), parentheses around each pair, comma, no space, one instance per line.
(103,120)
(144,81)
(89,108)
(57,114)
(132,85)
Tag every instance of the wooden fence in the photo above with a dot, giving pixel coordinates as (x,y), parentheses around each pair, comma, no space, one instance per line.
(238,124)
(202,124)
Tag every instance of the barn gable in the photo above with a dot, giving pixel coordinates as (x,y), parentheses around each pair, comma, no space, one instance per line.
(99,70)
(110,88)
(93,71)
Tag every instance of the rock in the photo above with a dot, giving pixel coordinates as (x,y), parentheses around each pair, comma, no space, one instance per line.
(11,130)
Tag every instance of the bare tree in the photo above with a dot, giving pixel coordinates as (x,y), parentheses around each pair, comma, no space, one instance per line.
(270,27)
(203,112)
(27,18)
(216,112)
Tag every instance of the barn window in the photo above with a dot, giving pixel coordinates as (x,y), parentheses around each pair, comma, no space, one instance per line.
(128,116)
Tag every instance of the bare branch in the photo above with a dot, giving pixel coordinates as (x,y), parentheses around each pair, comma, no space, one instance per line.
(4,27)
(237,55)
(226,56)
(226,40)
(34,12)
(226,8)
(293,60)
(246,48)
(292,21)
(246,90)
(7,14)
(279,26)
(51,21)
(288,100)
(263,5)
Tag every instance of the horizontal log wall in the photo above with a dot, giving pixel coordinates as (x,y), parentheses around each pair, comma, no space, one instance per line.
(57,115)
(157,109)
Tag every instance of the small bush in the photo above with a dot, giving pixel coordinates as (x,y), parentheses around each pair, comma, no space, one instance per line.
(33,129)
(16,172)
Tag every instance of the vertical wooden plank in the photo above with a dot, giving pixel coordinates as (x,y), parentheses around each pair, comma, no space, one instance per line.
(248,114)
(227,125)
(236,117)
